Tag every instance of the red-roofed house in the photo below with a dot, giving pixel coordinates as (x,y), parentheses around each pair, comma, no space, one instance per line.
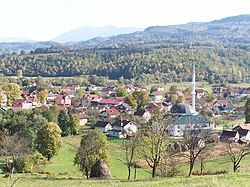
(110,113)
(22,103)
(83,119)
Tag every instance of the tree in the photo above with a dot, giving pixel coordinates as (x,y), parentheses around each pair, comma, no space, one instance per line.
(121,92)
(153,142)
(93,147)
(154,88)
(131,101)
(173,89)
(74,124)
(42,96)
(130,147)
(13,92)
(49,141)
(93,115)
(141,98)
(247,110)
(236,153)
(78,96)
(64,122)
(194,141)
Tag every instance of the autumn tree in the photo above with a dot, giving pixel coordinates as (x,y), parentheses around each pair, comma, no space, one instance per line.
(78,96)
(173,89)
(42,96)
(129,99)
(93,147)
(74,124)
(154,141)
(49,141)
(13,92)
(141,98)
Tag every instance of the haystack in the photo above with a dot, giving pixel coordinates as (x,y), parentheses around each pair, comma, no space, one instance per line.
(100,170)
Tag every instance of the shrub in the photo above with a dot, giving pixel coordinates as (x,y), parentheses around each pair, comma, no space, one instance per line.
(216,172)
(29,163)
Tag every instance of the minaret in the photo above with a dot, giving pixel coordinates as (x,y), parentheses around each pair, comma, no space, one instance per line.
(193,88)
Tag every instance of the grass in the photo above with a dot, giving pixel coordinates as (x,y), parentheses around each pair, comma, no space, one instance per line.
(238,179)
(64,173)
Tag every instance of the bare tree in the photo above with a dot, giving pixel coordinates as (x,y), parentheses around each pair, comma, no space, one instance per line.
(194,141)
(236,153)
(130,150)
(13,146)
(153,142)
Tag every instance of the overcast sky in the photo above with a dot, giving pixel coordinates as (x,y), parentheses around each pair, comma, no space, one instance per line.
(46,19)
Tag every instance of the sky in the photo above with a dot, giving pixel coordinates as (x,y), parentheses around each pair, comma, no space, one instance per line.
(46,19)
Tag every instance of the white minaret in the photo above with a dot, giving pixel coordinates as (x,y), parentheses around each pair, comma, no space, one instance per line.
(193,87)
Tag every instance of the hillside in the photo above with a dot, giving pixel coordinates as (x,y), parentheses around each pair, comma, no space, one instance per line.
(87,33)
(220,49)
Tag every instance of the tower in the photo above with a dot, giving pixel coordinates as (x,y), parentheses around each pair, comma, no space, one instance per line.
(193,87)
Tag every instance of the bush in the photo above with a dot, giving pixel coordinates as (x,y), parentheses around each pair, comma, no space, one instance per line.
(216,172)
(29,163)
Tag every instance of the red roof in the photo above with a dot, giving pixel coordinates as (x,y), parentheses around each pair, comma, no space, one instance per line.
(110,101)
(112,111)
(83,116)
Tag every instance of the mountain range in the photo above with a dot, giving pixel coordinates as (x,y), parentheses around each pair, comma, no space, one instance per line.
(233,30)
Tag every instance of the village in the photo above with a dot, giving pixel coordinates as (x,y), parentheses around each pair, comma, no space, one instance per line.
(120,110)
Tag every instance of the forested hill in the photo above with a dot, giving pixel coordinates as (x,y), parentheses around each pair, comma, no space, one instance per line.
(220,49)
(231,31)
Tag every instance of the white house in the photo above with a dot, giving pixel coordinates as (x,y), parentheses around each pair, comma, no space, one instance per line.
(123,128)
(83,119)
(103,126)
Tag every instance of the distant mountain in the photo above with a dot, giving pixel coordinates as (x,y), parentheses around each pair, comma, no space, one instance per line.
(87,33)
(231,30)
(15,40)
(24,46)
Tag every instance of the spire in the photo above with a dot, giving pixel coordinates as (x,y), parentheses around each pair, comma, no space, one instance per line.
(193,87)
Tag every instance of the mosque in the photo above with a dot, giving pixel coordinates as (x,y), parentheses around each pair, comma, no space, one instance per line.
(186,117)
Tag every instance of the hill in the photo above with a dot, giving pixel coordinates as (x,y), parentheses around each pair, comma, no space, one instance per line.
(220,49)
(87,33)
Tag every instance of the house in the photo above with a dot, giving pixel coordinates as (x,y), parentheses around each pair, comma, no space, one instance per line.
(123,128)
(188,122)
(103,126)
(108,91)
(157,96)
(63,100)
(67,91)
(110,113)
(130,88)
(89,98)
(229,136)
(244,132)
(199,93)
(111,102)
(91,88)
(22,103)
(33,99)
(83,119)
(144,114)
(51,97)
(154,107)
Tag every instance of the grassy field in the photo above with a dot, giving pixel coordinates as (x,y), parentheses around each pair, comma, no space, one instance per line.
(232,180)
(62,172)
